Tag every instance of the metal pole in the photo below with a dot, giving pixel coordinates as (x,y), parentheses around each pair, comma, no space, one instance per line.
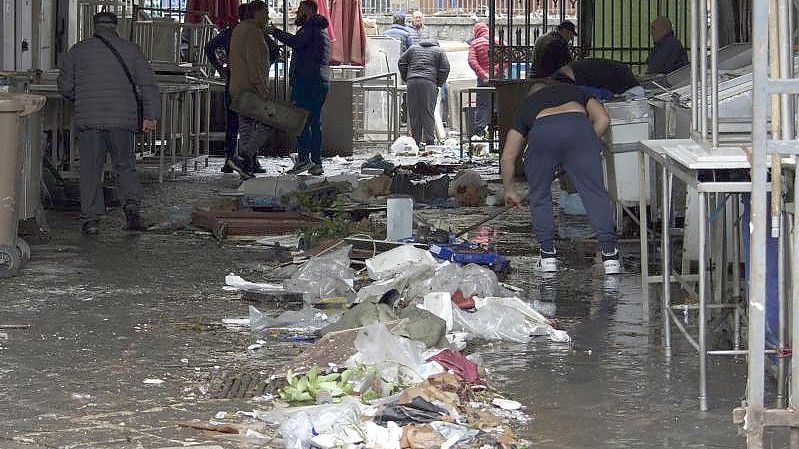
(781,319)
(776,122)
(714,71)
(644,232)
(702,301)
(793,399)
(666,257)
(703,67)
(757,245)
(786,66)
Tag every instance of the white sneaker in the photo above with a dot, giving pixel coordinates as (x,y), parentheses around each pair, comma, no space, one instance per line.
(547,262)
(611,262)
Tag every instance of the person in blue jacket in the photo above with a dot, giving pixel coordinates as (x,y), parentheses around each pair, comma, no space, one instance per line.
(309,74)
(399,31)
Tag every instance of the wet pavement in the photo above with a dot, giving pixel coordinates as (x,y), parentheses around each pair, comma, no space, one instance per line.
(109,313)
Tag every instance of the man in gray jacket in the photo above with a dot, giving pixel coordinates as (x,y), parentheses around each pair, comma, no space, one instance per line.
(424,68)
(115,95)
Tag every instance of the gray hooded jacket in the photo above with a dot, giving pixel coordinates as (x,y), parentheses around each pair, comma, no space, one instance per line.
(91,76)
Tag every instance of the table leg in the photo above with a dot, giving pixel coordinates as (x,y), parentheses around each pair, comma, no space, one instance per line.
(702,301)
(666,256)
(644,233)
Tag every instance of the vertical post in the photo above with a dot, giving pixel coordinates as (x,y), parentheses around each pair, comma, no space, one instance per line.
(702,300)
(757,244)
(794,249)
(703,67)
(643,231)
(781,319)
(714,72)
(666,305)
(694,65)
(786,66)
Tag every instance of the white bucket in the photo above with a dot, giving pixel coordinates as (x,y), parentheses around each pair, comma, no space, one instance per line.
(400,218)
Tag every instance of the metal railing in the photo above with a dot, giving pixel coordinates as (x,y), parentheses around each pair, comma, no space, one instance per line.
(619,29)
(465,7)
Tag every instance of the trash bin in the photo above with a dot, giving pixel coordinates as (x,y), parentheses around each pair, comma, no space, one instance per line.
(13,250)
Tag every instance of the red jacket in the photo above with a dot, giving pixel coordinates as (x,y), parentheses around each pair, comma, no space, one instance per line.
(478,51)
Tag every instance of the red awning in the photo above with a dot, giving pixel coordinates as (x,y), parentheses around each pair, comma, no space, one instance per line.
(221,12)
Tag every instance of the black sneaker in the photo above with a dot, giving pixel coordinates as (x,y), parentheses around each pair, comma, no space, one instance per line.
(316,170)
(133,217)
(90,227)
(239,167)
(611,262)
(299,167)
(226,168)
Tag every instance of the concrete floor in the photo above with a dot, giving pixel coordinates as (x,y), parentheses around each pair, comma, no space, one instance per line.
(110,312)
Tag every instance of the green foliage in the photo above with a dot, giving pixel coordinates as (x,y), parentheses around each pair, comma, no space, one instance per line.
(306,388)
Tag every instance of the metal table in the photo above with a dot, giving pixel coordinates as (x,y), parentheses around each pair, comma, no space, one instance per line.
(688,162)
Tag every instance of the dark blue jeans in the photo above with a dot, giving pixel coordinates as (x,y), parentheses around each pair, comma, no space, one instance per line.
(311,97)
(231,126)
(569,140)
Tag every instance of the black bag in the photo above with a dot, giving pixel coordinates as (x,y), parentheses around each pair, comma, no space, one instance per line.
(134,86)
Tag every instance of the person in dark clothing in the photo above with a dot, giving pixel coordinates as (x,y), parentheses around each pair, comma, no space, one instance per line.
(602,78)
(668,53)
(115,95)
(218,52)
(553,50)
(424,68)
(562,127)
(400,32)
(310,81)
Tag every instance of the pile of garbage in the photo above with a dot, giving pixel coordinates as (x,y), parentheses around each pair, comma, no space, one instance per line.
(387,368)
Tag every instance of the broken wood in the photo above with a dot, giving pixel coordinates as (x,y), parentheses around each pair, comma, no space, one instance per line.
(222,428)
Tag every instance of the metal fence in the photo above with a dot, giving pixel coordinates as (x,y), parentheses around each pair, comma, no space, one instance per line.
(467,7)
(619,29)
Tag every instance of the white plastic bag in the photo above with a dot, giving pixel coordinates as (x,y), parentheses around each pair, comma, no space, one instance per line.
(405,145)
(395,358)
(306,320)
(398,260)
(325,276)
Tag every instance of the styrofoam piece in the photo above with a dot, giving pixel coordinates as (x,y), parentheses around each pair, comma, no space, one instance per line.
(440,305)
(399,225)
(389,263)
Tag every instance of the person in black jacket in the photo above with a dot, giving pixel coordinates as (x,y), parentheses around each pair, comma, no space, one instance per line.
(310,81)
(424,68)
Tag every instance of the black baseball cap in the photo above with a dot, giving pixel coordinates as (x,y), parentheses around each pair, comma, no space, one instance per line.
(105,17)
(568,25)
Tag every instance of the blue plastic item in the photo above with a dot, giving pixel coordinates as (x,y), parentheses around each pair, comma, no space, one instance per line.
(495,261)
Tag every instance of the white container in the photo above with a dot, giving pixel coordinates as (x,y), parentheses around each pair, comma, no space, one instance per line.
(400,218)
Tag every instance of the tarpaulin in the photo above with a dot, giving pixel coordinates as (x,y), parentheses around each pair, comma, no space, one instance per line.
(350,46)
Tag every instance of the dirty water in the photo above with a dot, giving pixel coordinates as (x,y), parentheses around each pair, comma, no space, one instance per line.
(105,315)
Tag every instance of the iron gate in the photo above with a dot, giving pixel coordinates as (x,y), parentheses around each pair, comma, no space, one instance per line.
(611,29)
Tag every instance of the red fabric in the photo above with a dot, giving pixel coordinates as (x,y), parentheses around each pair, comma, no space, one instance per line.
(350,47)
(457,363)
(324,11)
(221,12)
(462,302)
